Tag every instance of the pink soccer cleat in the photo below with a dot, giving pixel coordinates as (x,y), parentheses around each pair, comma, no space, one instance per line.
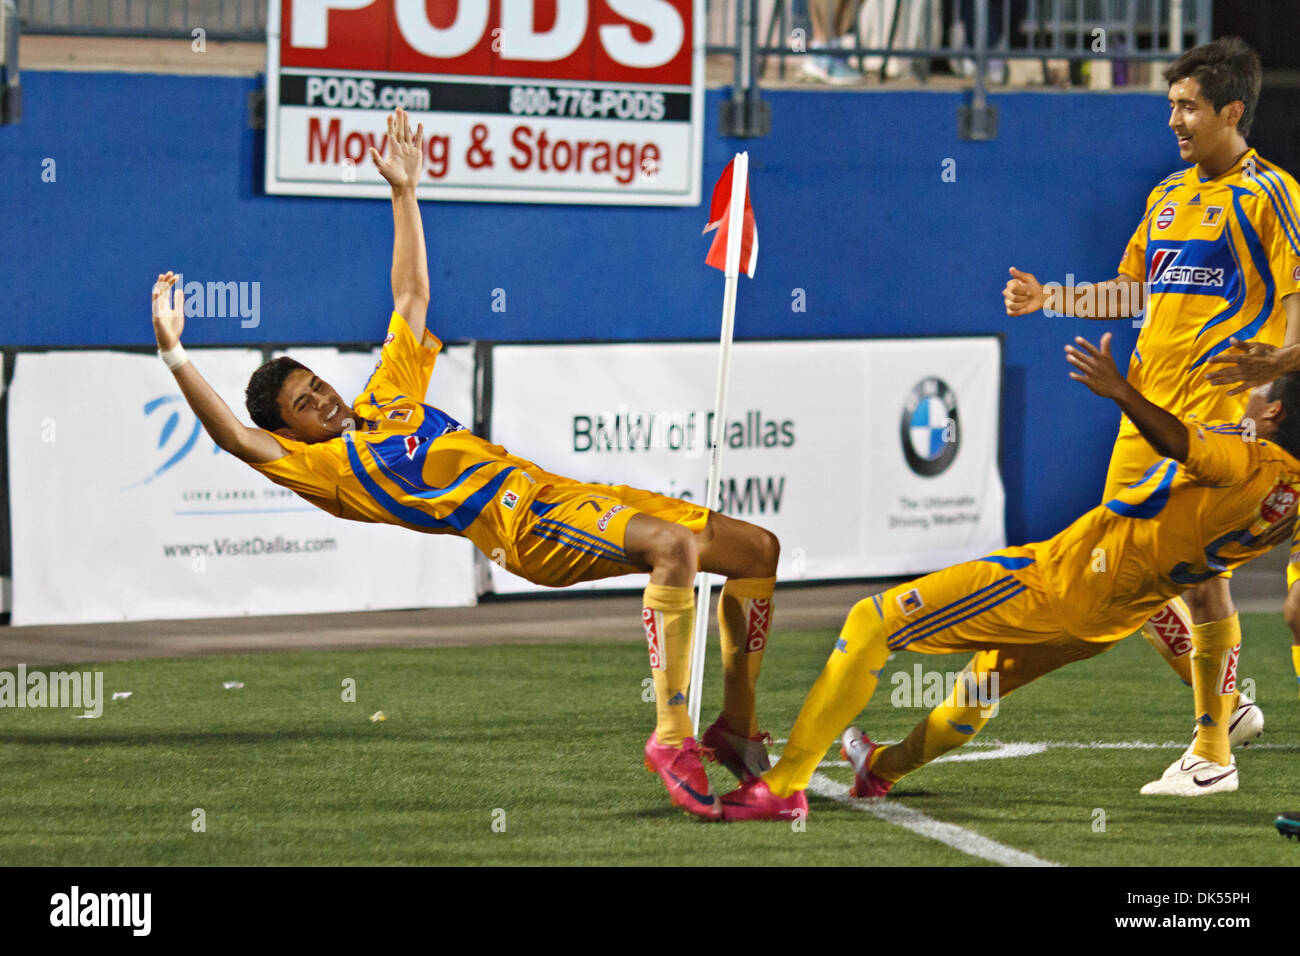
(857,749)
(683,774)
(753,800)
(746,757)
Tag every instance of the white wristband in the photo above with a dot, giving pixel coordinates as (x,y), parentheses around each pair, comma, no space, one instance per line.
(175,357)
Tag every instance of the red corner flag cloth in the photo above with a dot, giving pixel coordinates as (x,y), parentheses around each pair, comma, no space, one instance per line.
(719,216)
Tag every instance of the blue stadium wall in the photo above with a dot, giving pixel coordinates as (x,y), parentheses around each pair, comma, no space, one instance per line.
(159,172)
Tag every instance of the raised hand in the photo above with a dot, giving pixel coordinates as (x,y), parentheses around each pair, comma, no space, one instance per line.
(168,316)
(1023,293)
(1096,367)
(405,152)
(1255,363)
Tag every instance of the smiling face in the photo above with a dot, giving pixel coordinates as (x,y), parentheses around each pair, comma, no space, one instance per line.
(1205,137)
(312,410)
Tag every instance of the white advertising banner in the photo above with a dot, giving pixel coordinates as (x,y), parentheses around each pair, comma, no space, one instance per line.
(124,509)
(575,101)
(866,458)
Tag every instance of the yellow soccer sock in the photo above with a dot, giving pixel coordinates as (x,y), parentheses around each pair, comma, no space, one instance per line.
(959,718)
(744,618)
(1169,631)
(843,689)
(1295,660)
(1215,647)
(669,617)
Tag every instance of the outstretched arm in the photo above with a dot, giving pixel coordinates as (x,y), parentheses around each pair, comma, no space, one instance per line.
(246,444)
(410,261)
(1117,298)
(1096,369)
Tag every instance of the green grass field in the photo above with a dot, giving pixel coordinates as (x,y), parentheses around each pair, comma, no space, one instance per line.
(547,740)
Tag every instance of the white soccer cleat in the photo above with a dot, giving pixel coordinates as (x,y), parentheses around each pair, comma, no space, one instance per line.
(1192,776)
(1244,726)
(1246,723)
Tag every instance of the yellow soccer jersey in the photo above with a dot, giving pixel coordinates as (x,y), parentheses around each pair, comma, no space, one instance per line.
(409,463)
(1218,256)
(1181,524)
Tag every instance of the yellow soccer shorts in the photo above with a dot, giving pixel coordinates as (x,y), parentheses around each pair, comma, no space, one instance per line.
(573,532)
(989,603)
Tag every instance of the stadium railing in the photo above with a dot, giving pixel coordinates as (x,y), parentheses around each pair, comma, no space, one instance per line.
(240,20)
(1113,31)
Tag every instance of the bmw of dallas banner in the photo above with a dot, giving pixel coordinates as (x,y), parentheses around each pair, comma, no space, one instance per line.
(866,458)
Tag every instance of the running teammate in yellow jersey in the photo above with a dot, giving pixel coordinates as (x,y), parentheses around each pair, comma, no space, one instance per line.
(388,457)
(1218,496)
(1216,262)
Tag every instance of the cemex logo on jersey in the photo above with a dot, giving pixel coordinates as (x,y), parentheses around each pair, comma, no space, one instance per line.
(412,443)
(1165,270)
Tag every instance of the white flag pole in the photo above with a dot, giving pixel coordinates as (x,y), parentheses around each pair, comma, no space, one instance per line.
(735,228)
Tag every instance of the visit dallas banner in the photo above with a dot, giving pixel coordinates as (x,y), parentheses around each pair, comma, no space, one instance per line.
(866,458)
(124,509)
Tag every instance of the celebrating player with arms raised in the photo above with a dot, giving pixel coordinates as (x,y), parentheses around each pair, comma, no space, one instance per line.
(1216,498)
(388,457)
(1216,260)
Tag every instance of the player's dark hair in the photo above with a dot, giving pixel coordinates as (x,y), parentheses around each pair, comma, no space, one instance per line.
(1227,70)
(1286,390)
(263,393)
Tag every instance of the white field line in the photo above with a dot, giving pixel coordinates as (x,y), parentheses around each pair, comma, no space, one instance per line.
(948,834)
(963,840)
(997,749)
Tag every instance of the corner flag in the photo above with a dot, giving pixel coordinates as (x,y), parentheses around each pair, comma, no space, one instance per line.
(732,183)
(734,247)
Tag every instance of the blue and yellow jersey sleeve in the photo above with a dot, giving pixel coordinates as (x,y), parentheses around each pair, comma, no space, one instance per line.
(1219,455)
(404,368)
(1280,227)
(306,470)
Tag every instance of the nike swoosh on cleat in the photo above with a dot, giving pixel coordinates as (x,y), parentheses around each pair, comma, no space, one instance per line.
(1242,716)
(1205,783)
(708,801)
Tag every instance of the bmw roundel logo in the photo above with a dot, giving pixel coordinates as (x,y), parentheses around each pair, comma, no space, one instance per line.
(929,431)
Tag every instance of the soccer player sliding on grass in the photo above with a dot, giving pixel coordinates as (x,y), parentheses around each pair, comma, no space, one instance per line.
(388,457)
(1219,495)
